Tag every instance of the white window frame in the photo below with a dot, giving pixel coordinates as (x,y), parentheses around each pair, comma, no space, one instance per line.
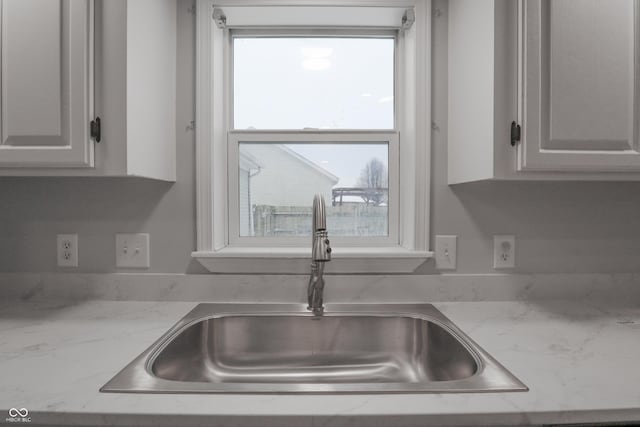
(219,249)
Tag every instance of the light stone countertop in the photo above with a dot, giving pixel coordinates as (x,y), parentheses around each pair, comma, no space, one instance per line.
(579,359)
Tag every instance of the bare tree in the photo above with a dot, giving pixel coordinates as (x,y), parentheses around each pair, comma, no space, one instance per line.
(374,180)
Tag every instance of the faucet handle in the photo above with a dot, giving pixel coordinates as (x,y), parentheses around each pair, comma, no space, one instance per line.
(321,251)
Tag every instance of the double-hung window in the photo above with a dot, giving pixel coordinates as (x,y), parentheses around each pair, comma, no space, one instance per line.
(312,97)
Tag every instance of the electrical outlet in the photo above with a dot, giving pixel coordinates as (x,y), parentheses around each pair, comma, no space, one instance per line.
(132,250)
(67,250)
(446,252)
(504,251)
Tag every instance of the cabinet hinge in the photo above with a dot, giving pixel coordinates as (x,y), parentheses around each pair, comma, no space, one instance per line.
(515,133)
(94,127)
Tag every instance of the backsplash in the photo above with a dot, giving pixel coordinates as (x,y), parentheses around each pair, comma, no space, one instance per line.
(591,288)
(560,227)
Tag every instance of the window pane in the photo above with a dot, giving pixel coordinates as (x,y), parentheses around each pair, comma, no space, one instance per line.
(322,83)
(277,183)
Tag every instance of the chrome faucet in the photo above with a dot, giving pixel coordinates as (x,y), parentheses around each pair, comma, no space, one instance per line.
(320,254)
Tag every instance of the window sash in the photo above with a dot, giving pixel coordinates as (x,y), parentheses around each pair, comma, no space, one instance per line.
(308,32)
(236,136)
(347,137)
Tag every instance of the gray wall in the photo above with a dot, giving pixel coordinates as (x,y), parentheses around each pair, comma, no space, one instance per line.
(560,227)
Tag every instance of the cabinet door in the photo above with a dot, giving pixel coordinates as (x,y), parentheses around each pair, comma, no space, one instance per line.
(46,83)
(579,95)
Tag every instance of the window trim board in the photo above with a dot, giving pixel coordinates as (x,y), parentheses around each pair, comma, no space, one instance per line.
(414,118)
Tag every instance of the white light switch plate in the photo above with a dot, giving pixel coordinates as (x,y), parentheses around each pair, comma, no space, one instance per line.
(132,250)
(446,252)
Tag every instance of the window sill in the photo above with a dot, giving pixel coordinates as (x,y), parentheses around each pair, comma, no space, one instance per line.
(285,260)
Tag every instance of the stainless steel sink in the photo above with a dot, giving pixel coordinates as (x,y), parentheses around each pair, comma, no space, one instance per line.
(264,348)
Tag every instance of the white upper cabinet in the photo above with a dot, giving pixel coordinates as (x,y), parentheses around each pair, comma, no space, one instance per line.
(66,63)
(579,86)
(564,70)
(46,83)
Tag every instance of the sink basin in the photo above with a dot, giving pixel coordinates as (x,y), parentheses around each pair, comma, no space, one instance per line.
(262,348)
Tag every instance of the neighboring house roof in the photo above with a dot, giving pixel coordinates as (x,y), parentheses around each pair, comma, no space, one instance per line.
(309,163)
(248,161)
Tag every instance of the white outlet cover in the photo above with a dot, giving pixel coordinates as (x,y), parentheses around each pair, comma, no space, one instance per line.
(504,251)
(132,250)
(445,252)
(67,250)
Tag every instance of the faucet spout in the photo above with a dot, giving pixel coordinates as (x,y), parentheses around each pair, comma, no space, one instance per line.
(315,289)
(320,253)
